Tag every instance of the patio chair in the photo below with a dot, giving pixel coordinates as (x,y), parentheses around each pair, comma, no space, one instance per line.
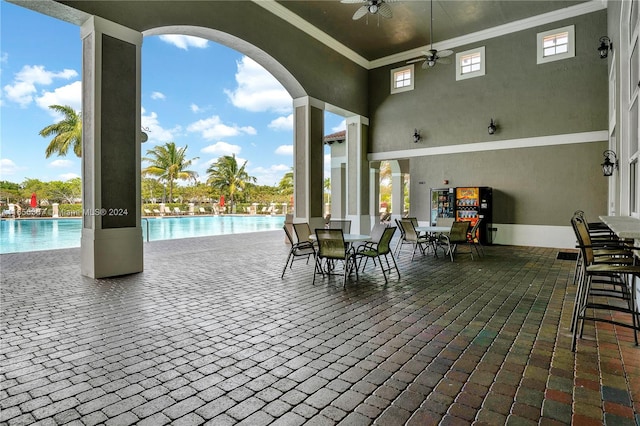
(303,232)
(618,295)
(167,210)
(177,211)
(457,237)
(202,210)
(343,224)
(332,250)
(385,217)
(410,236)
(148,212)
(299,250)
(473,239)
(378,249)
(156,212)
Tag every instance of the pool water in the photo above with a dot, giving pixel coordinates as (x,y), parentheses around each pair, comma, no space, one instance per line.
(20,235)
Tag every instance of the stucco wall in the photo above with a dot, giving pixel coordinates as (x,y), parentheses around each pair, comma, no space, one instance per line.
(534,186)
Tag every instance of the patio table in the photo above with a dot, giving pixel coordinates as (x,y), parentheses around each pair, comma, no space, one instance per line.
(434,229)
(348,238)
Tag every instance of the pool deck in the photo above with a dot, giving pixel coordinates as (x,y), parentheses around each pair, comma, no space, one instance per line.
(210,334)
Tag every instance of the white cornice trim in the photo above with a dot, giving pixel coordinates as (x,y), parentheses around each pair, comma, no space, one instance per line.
(535,142)
(295,20)
(534,21)
(501,30)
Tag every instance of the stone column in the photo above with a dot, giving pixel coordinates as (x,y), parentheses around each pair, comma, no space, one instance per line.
(399,168)
(111,241)
(357,176)
(338,180)
(374,192)
(308,119)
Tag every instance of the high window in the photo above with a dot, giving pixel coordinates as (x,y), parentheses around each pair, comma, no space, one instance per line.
(556,44)
(402,79)
(470,63)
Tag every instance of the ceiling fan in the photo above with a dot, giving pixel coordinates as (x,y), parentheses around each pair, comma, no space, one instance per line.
(373,7)
(432,56)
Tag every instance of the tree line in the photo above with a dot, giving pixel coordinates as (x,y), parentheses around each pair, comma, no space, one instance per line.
(168,164)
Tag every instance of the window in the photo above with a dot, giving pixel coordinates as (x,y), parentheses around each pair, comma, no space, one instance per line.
(556,44)
(402,79)
(470,63)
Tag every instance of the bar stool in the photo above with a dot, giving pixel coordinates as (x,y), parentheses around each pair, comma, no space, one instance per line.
(622,275)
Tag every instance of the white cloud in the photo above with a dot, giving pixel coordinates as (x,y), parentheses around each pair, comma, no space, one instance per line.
(8,167)
(257,90)
(213,128)
(71,95)
(61,163)
(67,176)
(340,127)
(282,123)
(157,95)
(156,133)
(195,108)
(184,41)
(23,88)
(222,148)
(284,150)
(271,175)
(327,165)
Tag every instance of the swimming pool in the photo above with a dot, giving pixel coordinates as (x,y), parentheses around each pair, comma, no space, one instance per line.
(20,235)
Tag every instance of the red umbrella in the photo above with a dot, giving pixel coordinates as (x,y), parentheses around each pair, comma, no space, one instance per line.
(221,202)
(34,201)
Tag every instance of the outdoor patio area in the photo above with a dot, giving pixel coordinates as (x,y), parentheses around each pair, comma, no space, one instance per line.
(210,334)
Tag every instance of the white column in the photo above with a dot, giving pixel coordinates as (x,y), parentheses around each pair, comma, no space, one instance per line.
(374,192)
(111,241)
(308,157)
(338,180)
(357,175)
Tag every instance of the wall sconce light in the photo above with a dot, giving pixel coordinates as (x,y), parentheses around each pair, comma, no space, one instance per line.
(143,135)
(416,136)
(605,45)
(492,127)
(609,166)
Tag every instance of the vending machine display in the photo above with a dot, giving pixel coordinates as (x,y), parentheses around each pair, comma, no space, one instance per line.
(472,204)
(443,203)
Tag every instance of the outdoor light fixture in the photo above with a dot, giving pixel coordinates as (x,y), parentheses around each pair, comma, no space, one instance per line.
(416,136)
(605,45)
(143,135)
(609,166)
(492,127)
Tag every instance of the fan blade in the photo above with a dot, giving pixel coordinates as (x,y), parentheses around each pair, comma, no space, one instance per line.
(445,53)
(413,61)
(352,1)
(425,65)
(445,61)
(385,10)
(360,13)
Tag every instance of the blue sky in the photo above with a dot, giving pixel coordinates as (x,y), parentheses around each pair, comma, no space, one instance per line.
(195,92)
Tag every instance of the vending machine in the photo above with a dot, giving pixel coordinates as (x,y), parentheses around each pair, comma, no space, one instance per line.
(472,204)
(443,203)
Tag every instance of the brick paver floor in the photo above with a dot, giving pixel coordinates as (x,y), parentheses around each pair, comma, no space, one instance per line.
(210,334)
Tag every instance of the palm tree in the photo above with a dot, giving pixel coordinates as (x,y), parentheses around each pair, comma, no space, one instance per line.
(327,189)
(226,176)
(68,132)
(286,183)
(168,162)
